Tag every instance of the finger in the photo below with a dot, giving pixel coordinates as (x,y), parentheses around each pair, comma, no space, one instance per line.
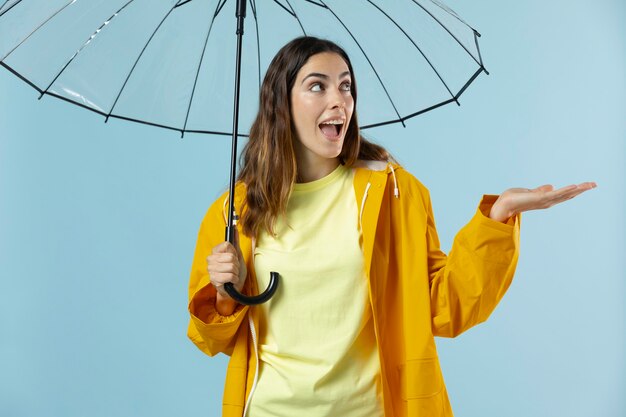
(587,185)
(571,191)
(232,269)
(223,257)
(577,189)
(223,267)
(219,279)
(222,247)
(223,263)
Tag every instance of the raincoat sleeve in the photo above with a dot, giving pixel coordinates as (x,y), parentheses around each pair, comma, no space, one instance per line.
(466,285)
(210,331)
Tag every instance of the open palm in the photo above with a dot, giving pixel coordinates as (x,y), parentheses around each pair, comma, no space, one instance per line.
(518,200)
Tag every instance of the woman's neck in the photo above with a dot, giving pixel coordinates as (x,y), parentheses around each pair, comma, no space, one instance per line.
(314,170)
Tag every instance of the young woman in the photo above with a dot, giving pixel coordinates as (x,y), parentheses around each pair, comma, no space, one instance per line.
(364,286)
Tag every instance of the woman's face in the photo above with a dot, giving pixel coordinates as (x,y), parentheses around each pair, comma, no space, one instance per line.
(321,108)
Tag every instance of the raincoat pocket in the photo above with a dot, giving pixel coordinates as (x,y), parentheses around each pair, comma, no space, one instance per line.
(420,378)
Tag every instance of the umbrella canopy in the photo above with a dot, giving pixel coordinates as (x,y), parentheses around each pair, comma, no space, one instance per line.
(171,63)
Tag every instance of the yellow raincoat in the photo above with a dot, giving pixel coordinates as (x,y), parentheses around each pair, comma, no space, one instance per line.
(416,291)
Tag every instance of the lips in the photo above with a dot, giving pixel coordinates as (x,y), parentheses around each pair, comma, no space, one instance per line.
(331,131)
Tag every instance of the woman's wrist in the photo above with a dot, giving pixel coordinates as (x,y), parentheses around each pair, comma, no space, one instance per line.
(500,212)
(225,306)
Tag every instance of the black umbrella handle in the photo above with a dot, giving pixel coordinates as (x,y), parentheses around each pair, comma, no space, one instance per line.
(257,299)
(230,288)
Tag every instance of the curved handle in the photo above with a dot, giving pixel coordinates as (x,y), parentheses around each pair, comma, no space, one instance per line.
(257,299)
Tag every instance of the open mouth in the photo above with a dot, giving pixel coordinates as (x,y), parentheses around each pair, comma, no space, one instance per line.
(331,130)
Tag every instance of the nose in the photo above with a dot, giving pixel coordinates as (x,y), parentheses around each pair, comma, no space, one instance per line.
(337,99)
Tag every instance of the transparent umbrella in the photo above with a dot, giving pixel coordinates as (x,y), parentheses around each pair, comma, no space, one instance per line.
(173,63)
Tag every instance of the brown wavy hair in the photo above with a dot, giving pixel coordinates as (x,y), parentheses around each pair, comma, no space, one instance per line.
(268,161)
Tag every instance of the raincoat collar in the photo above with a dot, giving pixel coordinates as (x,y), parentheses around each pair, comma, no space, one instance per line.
(370,183)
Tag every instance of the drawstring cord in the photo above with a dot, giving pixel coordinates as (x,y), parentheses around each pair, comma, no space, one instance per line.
(224,209)
(396,193)
(367,188)
(225,214)
(396,190)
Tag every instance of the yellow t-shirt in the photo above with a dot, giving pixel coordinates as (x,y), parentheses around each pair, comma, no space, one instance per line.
(317,349)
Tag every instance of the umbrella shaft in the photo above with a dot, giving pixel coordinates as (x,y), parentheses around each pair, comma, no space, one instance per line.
(230,227)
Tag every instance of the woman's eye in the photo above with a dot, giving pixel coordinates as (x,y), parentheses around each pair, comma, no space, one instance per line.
(317,87)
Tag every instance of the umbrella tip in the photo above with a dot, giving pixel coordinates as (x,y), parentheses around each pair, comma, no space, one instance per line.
(182,134)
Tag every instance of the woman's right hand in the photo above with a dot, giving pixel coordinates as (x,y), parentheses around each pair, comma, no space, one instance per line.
(226,264)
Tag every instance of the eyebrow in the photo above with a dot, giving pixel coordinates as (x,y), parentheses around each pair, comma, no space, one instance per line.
(323,76)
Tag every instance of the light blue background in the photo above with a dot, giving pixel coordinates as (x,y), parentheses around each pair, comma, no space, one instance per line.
(98,224)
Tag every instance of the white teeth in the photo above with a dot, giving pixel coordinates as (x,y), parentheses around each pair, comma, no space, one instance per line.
(333,122)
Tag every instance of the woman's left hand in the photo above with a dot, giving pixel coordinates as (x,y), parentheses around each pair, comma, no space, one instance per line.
(518,200)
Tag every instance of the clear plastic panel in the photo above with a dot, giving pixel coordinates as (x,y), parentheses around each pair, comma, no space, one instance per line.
(435,48)
(458,28)
(213,100)
(160,87)
(6,5)
(44,55)
(18,22)
(98,72)
(175,67)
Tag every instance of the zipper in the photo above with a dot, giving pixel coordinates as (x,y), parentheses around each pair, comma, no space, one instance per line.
(256,371)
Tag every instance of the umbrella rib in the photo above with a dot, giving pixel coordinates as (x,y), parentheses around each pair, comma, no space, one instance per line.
(258,45)
(449,32)
(20,76)
(106,22)
(443,103)
(137,60)
(219,9)
(414,44)
(472,78)
(130,119)
(35,30)
(296,16)
(401,120)
(5,3)
(284,8)
(476,36)
(10,7)
(195,81)
(317,4)
(182,4)
(451,12)
(369,62)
